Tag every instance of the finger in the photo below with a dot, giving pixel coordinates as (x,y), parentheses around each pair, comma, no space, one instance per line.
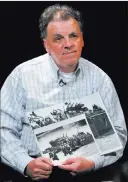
(37,172)
(69,161)
(70,167)
(66,167)
(46,167)
(47,161)
(40,177)
(44,172)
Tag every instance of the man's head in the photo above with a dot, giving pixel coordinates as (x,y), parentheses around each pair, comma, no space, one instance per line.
(61,31)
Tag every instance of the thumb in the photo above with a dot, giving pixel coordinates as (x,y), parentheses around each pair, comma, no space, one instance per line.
(69,161)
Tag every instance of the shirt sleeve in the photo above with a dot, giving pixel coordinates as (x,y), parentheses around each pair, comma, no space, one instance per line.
(12,112)
(112,104)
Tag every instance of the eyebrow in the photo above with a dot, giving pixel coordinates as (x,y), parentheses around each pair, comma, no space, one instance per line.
(72,33)
(58,35)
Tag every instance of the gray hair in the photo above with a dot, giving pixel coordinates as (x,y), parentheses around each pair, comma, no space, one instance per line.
(60,12)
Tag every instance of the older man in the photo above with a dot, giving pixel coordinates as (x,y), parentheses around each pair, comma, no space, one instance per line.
(58,76)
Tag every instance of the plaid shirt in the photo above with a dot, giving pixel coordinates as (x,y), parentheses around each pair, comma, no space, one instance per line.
(35,84)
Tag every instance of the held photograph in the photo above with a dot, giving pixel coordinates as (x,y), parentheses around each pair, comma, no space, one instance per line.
(69,139)
(79,127)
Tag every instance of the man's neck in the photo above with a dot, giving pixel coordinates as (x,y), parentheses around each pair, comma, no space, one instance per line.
(65,70)
(68,69)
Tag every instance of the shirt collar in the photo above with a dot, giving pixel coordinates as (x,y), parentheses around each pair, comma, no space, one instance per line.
(55,68)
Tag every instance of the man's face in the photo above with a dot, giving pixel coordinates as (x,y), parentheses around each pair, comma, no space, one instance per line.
(64,42)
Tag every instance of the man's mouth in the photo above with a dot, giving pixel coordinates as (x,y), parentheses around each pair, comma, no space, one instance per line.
(67,53)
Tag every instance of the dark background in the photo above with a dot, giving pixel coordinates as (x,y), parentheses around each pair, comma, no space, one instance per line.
(105,36)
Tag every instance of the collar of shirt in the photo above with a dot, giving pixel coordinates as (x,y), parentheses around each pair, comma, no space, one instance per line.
(56,69)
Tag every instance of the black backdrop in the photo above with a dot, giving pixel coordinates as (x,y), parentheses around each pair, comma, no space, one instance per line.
(105,36)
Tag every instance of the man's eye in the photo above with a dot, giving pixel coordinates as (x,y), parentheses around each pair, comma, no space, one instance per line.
(58,38)
(73,36)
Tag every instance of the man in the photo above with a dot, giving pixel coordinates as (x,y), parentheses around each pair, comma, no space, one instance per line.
(59,76)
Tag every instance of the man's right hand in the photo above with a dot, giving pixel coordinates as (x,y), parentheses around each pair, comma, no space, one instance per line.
(39,168)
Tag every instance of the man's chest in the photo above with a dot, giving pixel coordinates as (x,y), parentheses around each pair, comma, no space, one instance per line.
(48,93)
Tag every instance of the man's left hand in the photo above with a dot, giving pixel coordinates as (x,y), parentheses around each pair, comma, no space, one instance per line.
(77,165)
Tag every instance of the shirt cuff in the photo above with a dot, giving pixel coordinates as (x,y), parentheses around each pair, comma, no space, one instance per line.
(23,162)
(98,161)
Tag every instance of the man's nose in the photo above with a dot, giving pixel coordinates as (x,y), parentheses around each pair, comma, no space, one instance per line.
(68,43)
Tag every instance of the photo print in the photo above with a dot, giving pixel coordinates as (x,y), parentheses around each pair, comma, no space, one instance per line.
(74,128)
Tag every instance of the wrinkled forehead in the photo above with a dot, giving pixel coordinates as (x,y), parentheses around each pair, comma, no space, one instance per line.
(63,26)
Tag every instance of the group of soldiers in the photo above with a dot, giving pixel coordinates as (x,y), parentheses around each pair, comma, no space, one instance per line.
(70,110)
(74,109)
(70,144)
(53,155)
(39,121)
(67,144)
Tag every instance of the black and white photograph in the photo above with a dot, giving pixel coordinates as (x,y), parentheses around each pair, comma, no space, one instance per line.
(54,114)
(68,140)
(79,127)
(101,126)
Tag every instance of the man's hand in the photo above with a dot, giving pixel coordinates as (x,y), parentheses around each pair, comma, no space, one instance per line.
(77,165)
(39,168)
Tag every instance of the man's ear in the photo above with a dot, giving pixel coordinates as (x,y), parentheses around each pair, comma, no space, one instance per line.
(46,45)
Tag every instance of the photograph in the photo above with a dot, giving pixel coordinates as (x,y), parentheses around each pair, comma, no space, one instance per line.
(53,114)
(51,121)
(68,140)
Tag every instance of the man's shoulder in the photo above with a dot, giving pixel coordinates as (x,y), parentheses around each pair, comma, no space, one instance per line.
(91,67)
(35,61)
(30,66)
(88,64)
